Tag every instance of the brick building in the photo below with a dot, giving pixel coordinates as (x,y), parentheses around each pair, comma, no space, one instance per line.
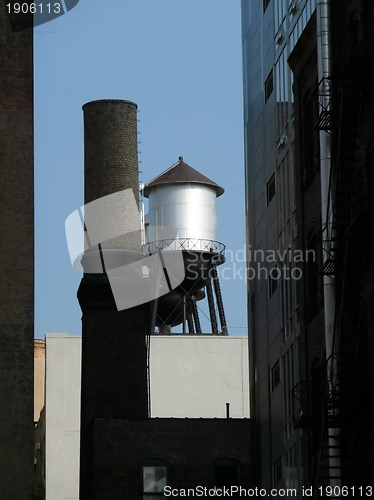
(181,453)
(17,258)
(352,129)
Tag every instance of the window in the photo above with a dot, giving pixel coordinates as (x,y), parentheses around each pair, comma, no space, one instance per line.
(270,189)
(310,139)
(226,472)
(280,12)
(275,376)
(269,86)
(277,472)
(285,193)
(287,293)
(274,276)
(291,469)
(154,476)
(282,94)
(288,370)
(313,277)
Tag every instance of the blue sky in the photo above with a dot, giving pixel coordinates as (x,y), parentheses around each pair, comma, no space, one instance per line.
(180,61)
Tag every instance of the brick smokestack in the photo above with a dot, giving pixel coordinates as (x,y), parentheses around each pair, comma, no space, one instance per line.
(111,157)
(114,354)
(110,148)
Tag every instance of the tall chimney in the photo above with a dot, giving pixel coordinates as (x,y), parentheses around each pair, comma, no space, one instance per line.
(114,355)
(110,148)
(111,157)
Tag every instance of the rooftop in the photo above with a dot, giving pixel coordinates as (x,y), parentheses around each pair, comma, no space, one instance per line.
(183,174)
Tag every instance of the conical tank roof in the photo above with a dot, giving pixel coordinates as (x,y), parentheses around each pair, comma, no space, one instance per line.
(181,173)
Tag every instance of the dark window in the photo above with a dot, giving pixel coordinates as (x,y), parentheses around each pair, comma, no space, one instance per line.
(269,86)
(278,472)
(310,139)
(313,278)
(155,478)
(226,472)
(270,189)
(274,276)
(265,4)
(275,376)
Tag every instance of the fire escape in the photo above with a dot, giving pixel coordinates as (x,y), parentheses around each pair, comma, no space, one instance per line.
(335,427)
(350,254)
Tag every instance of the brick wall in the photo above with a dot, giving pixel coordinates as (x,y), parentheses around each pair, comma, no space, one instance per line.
(189,446)
(111,157)
(16,261)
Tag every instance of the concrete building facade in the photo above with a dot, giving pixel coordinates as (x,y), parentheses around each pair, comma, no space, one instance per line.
(17,257)
(62,415)
(309,150)
(284,225)
(195,376)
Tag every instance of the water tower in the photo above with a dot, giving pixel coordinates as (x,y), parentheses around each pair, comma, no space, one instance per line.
(182,217)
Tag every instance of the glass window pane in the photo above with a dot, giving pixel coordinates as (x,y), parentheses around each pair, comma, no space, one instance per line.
(226,473)
(154,478)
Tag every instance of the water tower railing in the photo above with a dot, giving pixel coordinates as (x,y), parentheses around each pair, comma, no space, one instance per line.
(187,244)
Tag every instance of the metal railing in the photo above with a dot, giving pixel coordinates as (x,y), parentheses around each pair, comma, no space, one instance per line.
(187,244)
(300,404)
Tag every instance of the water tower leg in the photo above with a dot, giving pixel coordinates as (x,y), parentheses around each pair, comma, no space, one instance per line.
(212,311)
(195,314)
(191,328)
(217,290)
(184,314)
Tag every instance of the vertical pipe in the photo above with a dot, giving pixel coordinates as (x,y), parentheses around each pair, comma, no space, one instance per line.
(323,58)
(324,73)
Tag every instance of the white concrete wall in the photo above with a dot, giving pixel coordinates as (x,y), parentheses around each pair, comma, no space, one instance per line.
(63,367)
(195,376)
(191,376)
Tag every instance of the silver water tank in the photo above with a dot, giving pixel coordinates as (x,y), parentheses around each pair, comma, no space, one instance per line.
(182,217)
(182,207)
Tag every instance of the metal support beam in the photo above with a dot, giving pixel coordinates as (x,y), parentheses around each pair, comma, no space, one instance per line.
(195,314)
(217,290)
(212,311)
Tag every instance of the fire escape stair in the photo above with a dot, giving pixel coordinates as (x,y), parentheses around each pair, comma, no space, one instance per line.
(328,467)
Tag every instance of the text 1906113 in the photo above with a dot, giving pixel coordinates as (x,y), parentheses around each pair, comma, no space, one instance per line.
(34,8)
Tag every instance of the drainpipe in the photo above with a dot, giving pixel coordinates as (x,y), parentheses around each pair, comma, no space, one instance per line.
(324,70)
(324,73)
